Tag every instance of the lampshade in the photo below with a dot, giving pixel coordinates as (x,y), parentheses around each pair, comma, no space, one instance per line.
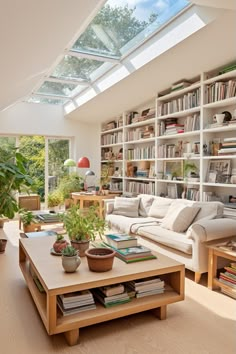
(83,162)
(70,163)
(89,173)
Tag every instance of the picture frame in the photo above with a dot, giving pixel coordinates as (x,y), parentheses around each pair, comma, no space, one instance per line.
(173,169)
(218,170)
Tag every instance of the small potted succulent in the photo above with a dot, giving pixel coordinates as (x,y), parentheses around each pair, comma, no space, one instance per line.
(60,244)
(70,259)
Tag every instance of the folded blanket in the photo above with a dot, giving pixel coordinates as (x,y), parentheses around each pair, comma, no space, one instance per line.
(134,228)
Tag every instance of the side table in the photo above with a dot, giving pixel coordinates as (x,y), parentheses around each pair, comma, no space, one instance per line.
(214,252)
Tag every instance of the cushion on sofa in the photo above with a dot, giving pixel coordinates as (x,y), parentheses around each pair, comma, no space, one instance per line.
(126,206)
(209,210)
(179,217)
(160,207)
(145,204)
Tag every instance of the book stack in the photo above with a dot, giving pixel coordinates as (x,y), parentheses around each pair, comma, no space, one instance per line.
(53,217)
(228,147)
(127,248)
(229,278)
(174,129)
(76,302)
(146,287)
(180,85)
(111,295)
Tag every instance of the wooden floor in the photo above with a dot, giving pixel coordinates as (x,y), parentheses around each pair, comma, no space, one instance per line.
(205,322)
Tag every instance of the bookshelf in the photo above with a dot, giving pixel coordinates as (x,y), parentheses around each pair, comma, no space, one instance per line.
(180,130)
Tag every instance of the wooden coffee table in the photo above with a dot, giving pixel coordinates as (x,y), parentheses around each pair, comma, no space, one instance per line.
(36,254)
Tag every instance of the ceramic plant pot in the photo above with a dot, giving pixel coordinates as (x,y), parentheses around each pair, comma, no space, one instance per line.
(100,259)
(81,246)
(70,264)
(3,244)
(58,246)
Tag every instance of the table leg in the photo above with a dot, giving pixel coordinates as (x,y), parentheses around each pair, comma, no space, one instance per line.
(160,312)
(212,268)
(72,337)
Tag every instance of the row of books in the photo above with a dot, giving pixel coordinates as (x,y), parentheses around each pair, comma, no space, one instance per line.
(135,187)
(146,287)
(113,138)
(229,278)
(220,90)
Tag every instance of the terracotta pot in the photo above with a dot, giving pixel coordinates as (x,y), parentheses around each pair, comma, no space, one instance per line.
(70,264)
(31,227)
(3,244)
(100,259)
(81,246)
(58,246)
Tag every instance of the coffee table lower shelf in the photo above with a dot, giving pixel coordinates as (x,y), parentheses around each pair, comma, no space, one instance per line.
(55,323)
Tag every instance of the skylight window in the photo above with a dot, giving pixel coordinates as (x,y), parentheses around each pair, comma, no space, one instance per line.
(103,53)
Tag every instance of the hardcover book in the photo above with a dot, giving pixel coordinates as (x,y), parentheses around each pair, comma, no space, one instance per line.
(121,240)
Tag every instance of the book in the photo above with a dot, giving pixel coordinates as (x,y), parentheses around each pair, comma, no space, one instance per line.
(121,240)
(148,293)
(74,310)
(136,259)
(145,281)
(76,296)
(115,289)
(136,250)
(148,287)
(40,233)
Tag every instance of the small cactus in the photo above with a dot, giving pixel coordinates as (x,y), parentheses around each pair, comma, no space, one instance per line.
(69,251)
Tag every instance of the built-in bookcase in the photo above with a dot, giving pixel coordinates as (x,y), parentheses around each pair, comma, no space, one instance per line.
(173,145)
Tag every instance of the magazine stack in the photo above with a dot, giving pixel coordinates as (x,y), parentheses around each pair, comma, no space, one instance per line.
(75,302)
(146,287)
(111,295)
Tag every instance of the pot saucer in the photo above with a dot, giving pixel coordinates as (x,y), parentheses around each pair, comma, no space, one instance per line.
(54,253)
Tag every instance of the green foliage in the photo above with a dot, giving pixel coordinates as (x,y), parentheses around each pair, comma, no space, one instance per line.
(82,224)
(189,167)
(12,178)
(27,216)
(69,251)
(68,184)
(54,198)
(59,238)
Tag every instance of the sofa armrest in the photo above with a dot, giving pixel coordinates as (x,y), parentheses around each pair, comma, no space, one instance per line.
(207,230)
(109,206)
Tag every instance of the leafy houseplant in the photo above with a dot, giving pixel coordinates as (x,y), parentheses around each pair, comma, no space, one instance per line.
(13,178)
(54,199)
(70,259)
(29,221)
(82,226)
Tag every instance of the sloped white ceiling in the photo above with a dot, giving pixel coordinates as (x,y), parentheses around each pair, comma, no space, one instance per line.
(32,35)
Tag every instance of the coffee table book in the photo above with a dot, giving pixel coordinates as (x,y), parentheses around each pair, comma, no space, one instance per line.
(121,240)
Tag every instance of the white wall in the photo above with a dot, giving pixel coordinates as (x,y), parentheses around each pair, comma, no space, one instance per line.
(35,119)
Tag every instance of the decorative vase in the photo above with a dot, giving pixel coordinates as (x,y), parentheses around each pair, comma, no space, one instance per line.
(58,246)
(70,264)
(81,246)
(3,244)
(100,259)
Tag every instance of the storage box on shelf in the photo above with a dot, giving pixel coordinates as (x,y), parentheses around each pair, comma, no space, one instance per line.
(184,130)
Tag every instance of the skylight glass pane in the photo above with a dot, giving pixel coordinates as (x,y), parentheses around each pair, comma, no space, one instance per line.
(60,89)
(39,99)
(76,68)
(121,25)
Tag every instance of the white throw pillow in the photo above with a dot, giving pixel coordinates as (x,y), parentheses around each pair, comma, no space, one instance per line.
(179,217)
(126,206)
(160,207)
(145,204)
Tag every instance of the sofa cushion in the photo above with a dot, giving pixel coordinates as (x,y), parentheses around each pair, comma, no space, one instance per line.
(160,207)
(126,206)
(122,224)
(209,210)
(179,217)
(168,238)
(145,204)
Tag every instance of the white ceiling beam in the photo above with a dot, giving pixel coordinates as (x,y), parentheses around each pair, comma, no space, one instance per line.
(79,54)
(51,96)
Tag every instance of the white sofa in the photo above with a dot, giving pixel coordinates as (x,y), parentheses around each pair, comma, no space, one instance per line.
(180,228)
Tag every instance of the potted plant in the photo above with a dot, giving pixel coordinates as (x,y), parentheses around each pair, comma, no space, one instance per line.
(100,259)
(12,178)
(60,244)
(54,200)
(190,170)
(83,225)
(70,259)
(30,223)
(68,184)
